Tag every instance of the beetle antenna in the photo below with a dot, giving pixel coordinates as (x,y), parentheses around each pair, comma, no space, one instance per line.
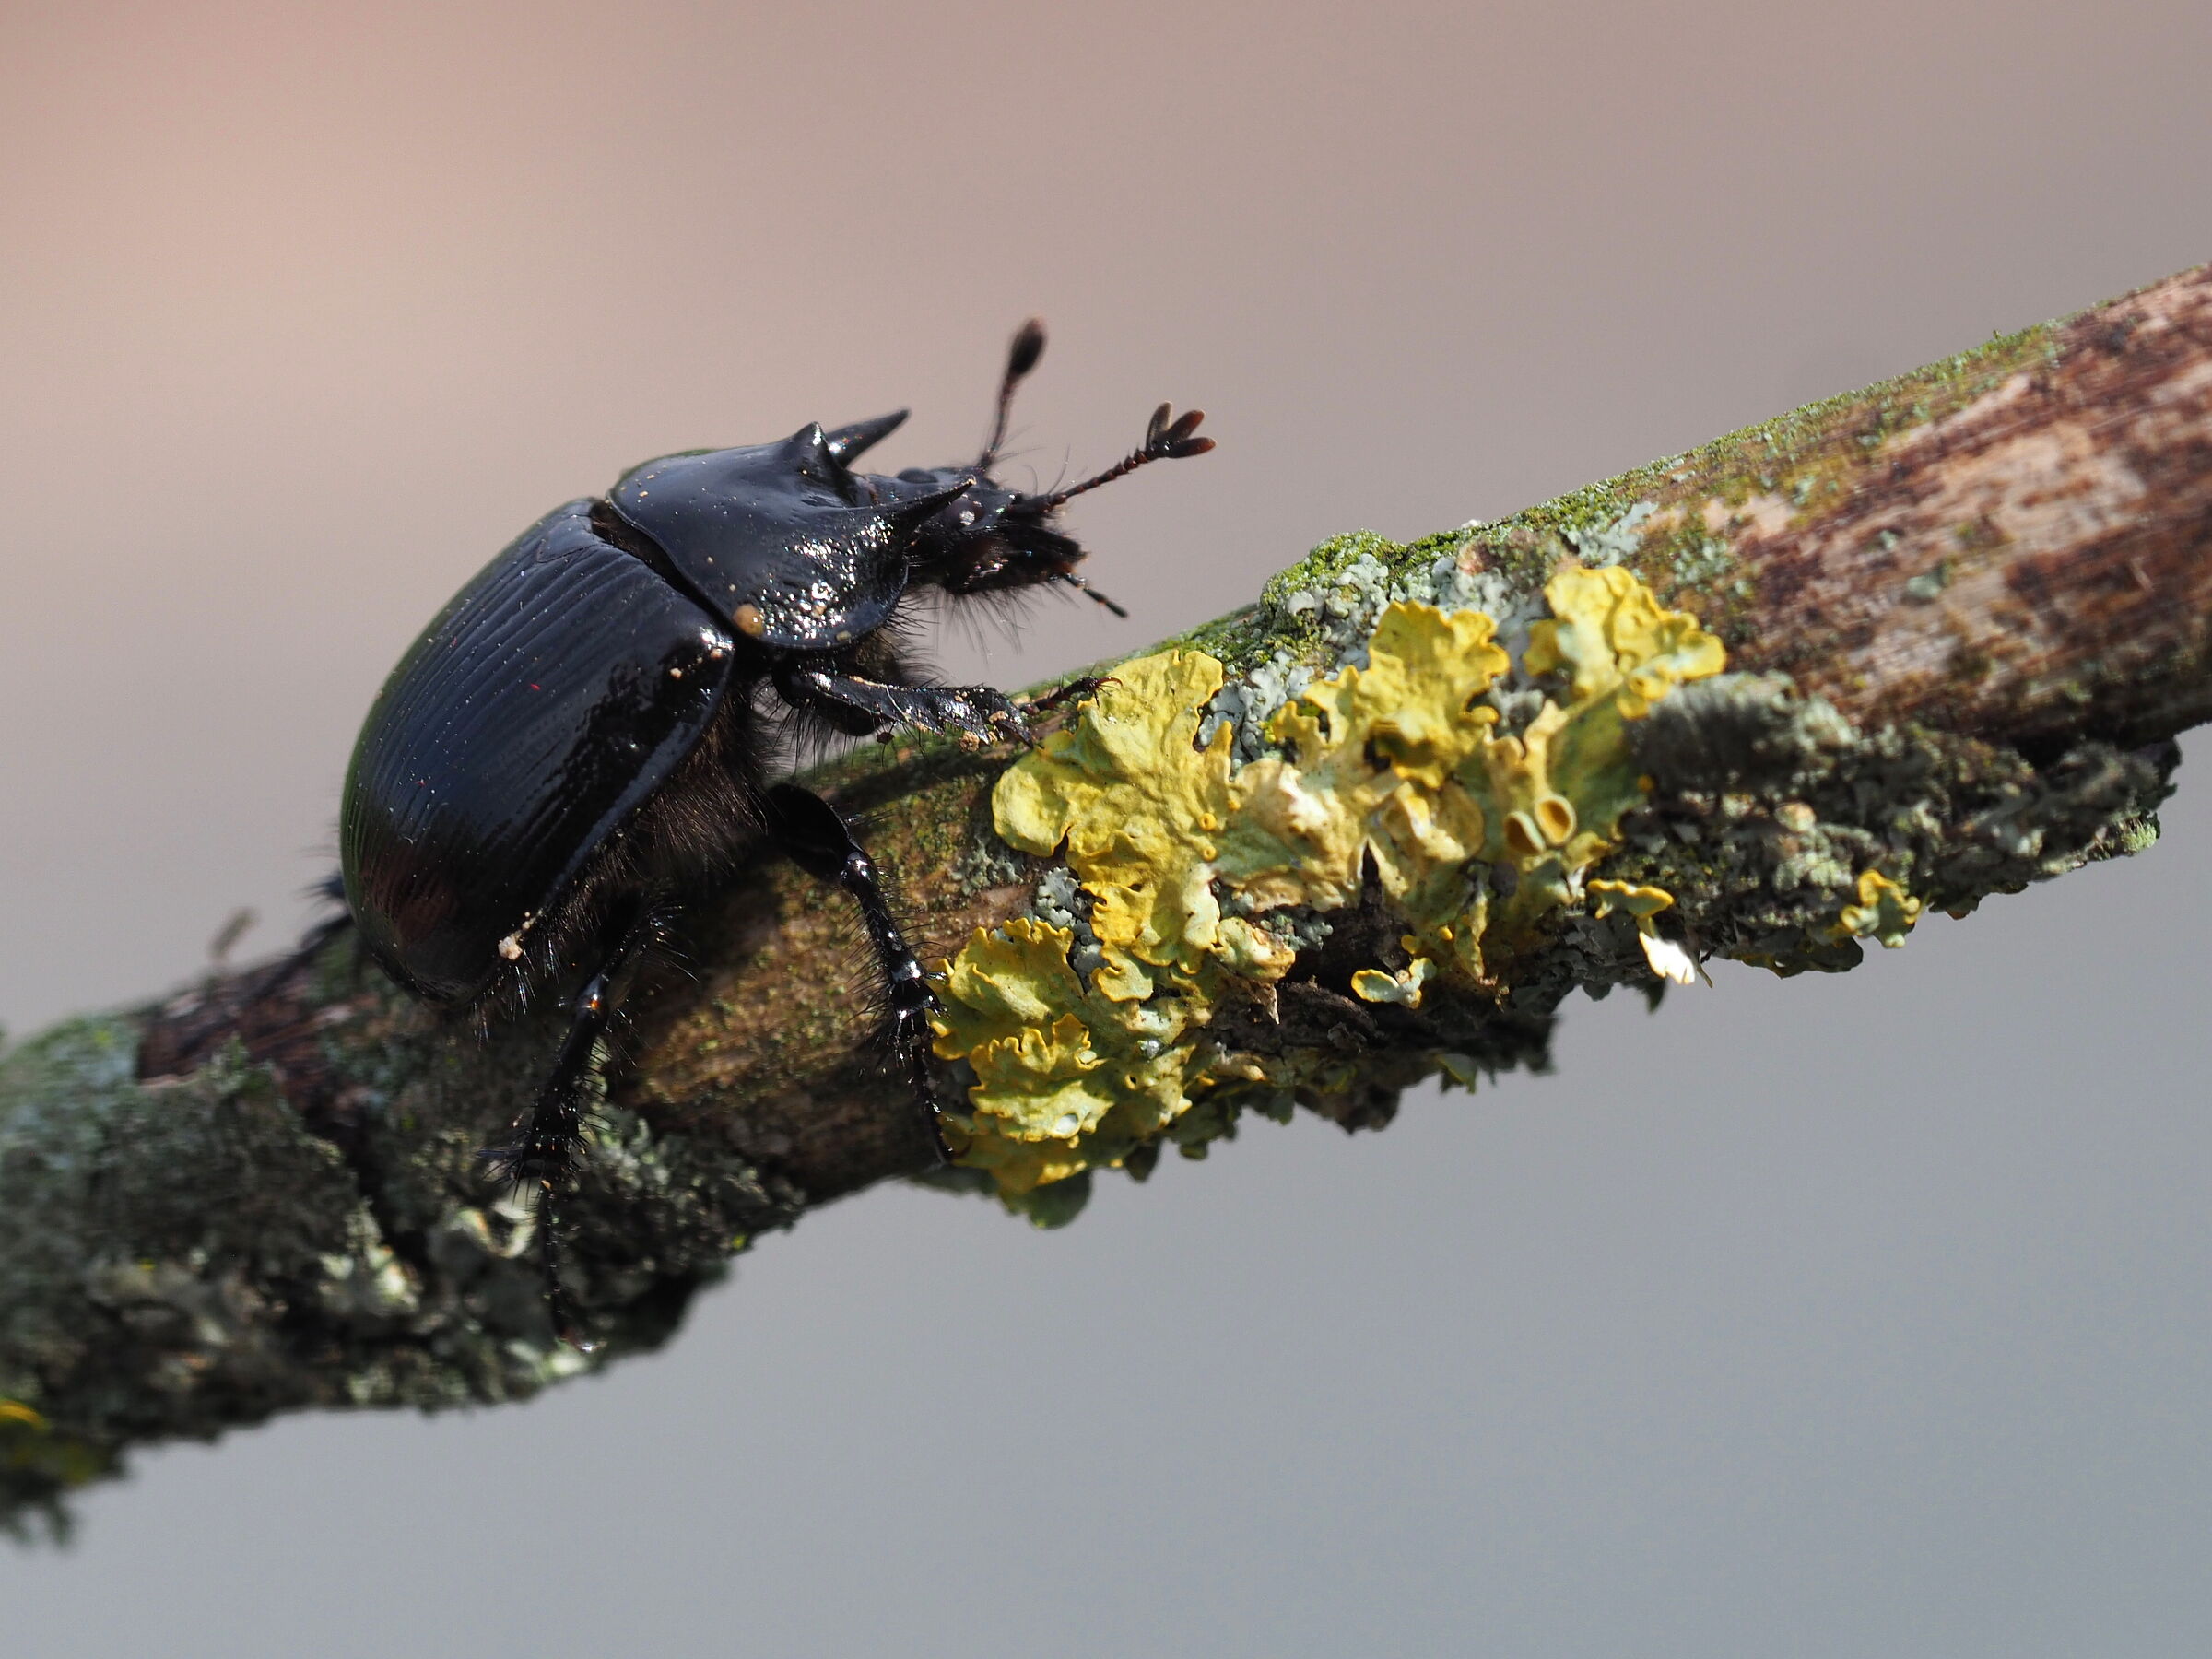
(1168,438)
(1021,357)
(1071,580)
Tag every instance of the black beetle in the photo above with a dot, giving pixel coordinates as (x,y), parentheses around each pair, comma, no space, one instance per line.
(581,739)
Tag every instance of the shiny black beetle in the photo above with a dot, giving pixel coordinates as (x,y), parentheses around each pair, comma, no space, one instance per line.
(581,739)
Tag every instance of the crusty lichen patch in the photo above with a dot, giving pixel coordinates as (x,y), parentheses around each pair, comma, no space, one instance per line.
(1394,770)
(379,1269)
(1401,764)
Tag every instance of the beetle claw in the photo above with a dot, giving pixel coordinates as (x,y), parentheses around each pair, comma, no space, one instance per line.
(1076,690)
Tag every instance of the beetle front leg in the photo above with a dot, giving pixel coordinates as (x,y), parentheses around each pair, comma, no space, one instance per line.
(810,832)
(978,712)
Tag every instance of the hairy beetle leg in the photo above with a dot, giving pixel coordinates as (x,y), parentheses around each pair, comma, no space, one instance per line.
(814,836)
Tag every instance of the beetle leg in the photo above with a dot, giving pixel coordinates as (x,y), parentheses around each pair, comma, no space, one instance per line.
(973,711)
(547,1145)
(1076,690)
(812,834)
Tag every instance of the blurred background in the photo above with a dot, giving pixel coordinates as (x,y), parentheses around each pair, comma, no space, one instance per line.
(1865,1316)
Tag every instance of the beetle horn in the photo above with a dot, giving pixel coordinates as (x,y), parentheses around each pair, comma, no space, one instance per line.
(848,442)
(806,448)
(906,517)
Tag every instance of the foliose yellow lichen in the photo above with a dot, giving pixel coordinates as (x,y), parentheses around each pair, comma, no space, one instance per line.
(1139,807)
(1194,866)
(1066,1074)
(1885,911)
(1667,960)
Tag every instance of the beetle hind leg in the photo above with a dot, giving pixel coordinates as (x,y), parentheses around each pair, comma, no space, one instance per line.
(547,1149)
(810,832)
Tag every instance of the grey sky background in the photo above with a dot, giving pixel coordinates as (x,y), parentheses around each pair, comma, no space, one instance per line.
(1868,1315)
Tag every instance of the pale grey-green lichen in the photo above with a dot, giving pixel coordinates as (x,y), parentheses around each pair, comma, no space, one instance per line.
(367,1265)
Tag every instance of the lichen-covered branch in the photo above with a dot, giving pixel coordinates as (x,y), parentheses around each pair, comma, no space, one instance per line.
(1769,700)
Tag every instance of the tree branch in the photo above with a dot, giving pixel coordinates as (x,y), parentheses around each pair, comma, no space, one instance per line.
(1964,613)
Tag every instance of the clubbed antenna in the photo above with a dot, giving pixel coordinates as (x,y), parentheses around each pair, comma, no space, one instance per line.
(1021,357)
(1167,439)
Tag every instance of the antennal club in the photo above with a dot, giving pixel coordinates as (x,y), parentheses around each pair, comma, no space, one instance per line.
(1168,438)
(1021,357)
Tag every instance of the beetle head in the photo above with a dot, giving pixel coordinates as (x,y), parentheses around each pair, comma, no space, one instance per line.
(992,539)
(982,538)
(801,553)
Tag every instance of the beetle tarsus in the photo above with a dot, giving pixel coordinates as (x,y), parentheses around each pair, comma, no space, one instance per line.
(567,1326)
(1076,690)
(910,1035)
(814,836)
(982,712)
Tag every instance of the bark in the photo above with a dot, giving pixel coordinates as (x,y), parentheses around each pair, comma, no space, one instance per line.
(1988,585)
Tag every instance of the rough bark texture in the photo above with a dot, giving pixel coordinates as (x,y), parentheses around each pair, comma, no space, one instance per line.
(1990,580)
(2025,568)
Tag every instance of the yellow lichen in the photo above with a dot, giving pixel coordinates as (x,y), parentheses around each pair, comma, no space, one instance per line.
(1641,902)
(30,1443)
(1885,911)
(1613,637)
(1560,790)
(1137,803)
(1667,960)
(1054,1061)
(1372,753)
(1397,763)
(1370,985)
